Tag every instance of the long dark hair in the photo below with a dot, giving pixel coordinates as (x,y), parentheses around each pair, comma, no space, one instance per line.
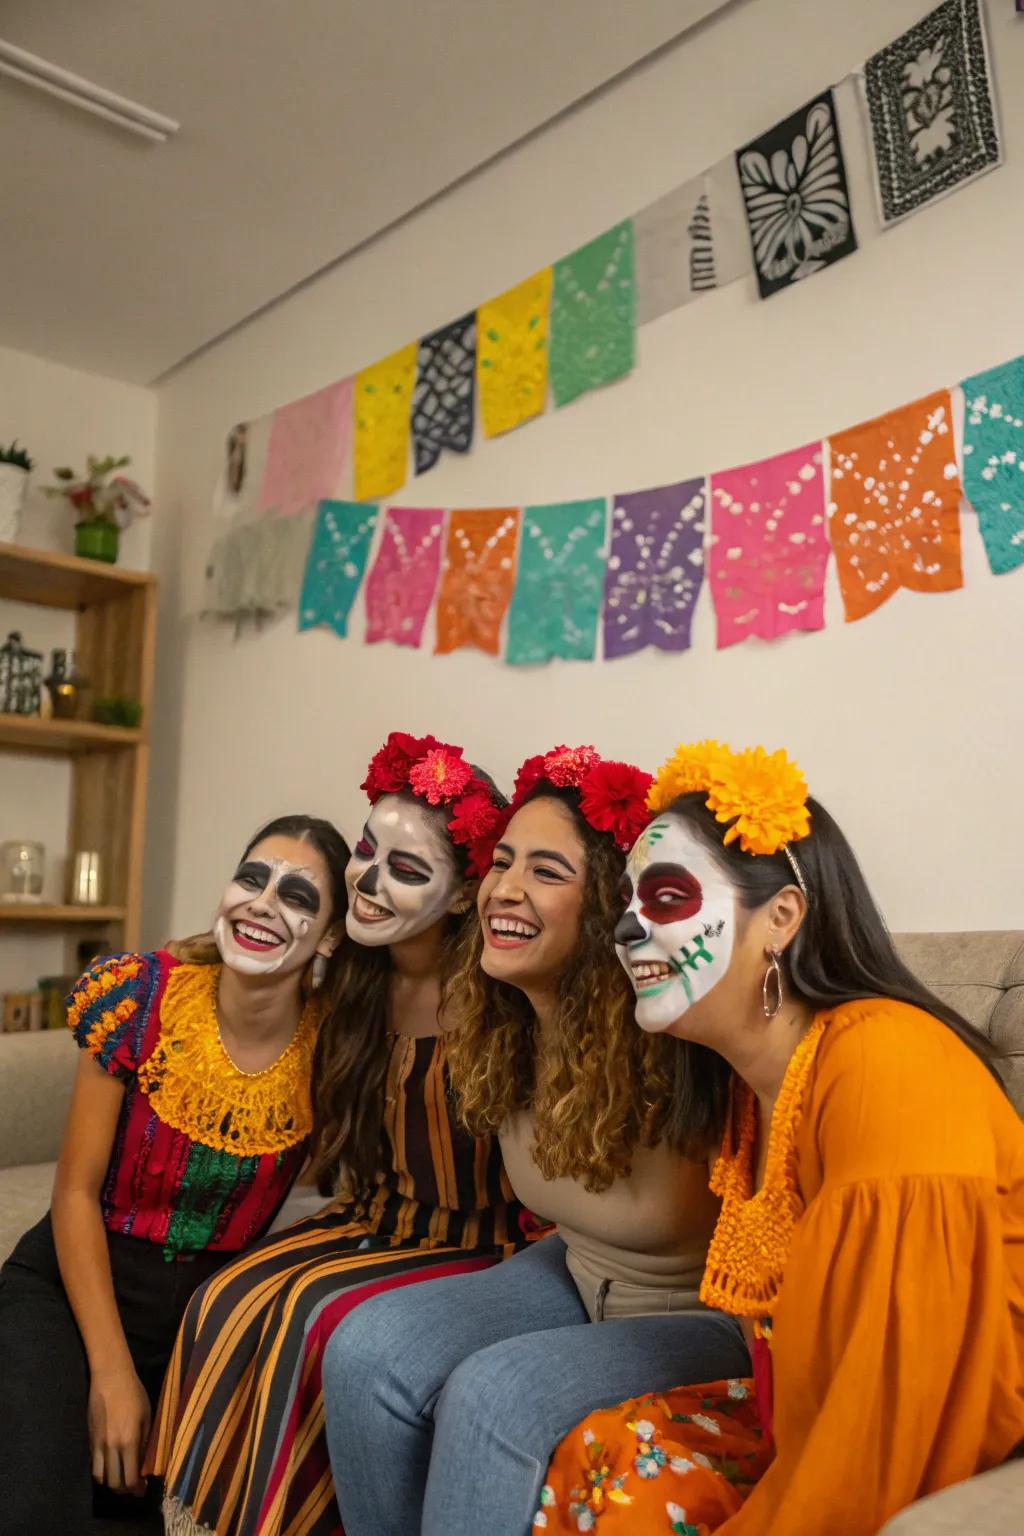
(600,1087)
(842,950)
(351,1061)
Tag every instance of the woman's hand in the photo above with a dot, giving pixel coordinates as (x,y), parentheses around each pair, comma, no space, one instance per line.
(119,1419)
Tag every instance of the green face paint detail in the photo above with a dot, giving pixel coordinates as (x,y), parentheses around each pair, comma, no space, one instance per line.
(700,952)
(652,835)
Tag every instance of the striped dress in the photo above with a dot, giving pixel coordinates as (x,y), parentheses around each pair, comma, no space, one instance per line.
(239,1436)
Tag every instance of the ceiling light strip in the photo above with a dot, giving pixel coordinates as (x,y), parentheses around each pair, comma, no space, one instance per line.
(78,92)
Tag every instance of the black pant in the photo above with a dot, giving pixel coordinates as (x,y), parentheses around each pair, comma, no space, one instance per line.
(46,1486)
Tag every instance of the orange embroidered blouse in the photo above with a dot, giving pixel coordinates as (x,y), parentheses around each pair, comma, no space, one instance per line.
(898,1328)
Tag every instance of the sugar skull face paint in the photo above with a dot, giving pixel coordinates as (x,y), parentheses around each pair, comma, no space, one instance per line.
(676,935)
(274,913)
(402,877)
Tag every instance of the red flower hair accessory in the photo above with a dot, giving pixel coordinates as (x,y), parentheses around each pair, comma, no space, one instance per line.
(613,795)
(439,774)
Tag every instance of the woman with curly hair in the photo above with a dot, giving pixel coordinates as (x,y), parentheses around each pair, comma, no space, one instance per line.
(602,1130)
(239,1434)
(872,1184)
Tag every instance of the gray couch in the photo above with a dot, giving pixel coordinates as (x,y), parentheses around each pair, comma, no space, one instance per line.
(981,974)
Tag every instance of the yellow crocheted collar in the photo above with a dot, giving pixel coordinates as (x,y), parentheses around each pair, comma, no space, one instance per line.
(751,1241)
(194,1086)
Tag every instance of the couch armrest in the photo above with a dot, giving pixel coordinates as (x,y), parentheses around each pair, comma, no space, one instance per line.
(991,1504)
(36,1074)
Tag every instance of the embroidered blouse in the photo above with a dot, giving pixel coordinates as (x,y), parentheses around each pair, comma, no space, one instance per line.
(883,1257)
(204,1153)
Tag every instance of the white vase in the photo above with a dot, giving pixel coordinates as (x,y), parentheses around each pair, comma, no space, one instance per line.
(13,485)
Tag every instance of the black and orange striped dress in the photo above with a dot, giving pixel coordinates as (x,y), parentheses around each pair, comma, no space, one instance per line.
(239,1437)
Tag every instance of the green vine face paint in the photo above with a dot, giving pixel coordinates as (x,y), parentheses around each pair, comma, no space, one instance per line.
(675,938)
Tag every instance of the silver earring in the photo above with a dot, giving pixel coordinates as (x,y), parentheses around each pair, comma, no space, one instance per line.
(772,978)
(319,971)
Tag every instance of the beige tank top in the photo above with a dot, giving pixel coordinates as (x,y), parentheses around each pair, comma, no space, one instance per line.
(634,1248)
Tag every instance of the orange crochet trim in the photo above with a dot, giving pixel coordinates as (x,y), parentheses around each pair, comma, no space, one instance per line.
(195,1087)
(752,1237)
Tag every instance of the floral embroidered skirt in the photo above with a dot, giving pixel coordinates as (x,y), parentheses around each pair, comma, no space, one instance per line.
(677,1463)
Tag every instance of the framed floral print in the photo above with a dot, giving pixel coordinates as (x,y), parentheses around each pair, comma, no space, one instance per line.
(931,110)
(796,197)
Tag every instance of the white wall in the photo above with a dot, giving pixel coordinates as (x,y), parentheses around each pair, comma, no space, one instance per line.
(908,724)
(60,415)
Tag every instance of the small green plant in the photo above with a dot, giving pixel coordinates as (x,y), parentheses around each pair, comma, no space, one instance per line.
(17,456)
(118,710)
(98,499)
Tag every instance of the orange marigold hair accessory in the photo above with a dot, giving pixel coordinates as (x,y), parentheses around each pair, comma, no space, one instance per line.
(439,774)
(613,795)
(761,796)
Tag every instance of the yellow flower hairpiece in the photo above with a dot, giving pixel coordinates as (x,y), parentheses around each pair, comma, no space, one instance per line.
(687,771)
(762,795)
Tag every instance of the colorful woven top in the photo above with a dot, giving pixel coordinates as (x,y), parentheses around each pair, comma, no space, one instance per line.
(204,1153)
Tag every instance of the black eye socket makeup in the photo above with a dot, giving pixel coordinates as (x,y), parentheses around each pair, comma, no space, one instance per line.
(299,892)
(253,874)
(409,867)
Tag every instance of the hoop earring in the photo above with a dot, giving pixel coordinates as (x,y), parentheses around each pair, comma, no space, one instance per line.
(772,977)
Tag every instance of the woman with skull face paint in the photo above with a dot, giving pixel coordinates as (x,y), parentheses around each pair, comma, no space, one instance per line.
(190,1118)
(443,1403)
(239,1435)
(872,1185)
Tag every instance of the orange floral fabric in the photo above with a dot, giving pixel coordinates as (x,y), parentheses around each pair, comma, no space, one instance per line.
(479,574)
(894,513)
(897,1335)
(677,1463)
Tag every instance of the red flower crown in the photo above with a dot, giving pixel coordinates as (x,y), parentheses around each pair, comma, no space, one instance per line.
(613,795)
(440,775)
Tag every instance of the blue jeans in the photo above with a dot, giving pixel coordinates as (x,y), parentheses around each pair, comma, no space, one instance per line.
(445,1400)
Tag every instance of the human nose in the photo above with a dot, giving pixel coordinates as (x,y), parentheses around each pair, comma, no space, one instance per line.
(629,929)
(509,886)
(368,881)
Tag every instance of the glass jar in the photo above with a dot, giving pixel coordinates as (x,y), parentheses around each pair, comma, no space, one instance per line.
(22,866)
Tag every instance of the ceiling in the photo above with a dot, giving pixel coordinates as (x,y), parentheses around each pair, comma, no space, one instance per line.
(307,127)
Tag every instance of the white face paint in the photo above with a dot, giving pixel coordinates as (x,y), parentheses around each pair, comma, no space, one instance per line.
(272,915)
(402,877)
(675,938)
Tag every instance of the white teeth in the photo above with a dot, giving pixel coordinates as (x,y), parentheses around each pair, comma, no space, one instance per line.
(257,935)
(512,928)
(651,970)
(370,908)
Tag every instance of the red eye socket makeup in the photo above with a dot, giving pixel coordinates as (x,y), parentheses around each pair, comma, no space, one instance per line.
(668,893)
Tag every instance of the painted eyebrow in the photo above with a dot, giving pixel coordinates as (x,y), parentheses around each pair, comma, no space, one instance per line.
(666,871)
(413,858)
(541,853)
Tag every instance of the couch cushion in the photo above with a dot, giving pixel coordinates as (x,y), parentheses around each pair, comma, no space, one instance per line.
(24,1200)
(981,975)
(36,1075)
(989,1505)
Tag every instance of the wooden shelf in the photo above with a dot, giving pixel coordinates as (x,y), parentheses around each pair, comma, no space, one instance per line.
(31,733)
(64,581)
(40,912)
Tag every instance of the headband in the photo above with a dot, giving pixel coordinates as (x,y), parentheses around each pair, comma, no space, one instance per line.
(439,774)
(763,796)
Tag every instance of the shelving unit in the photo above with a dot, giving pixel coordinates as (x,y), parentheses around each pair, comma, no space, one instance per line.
(115,637)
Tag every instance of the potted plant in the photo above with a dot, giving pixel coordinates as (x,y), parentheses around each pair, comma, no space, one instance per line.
(15,465)
(104,502)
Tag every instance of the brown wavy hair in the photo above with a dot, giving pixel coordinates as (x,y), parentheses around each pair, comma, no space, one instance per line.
(599,1086)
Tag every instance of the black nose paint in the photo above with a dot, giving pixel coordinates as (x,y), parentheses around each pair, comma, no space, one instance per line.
(366,885)
(628,929)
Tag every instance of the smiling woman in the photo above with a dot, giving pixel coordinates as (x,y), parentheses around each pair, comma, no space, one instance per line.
(601,1127)
(190,1119)
(414,1194)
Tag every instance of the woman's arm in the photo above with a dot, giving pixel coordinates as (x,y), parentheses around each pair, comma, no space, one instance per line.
(119,1410)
